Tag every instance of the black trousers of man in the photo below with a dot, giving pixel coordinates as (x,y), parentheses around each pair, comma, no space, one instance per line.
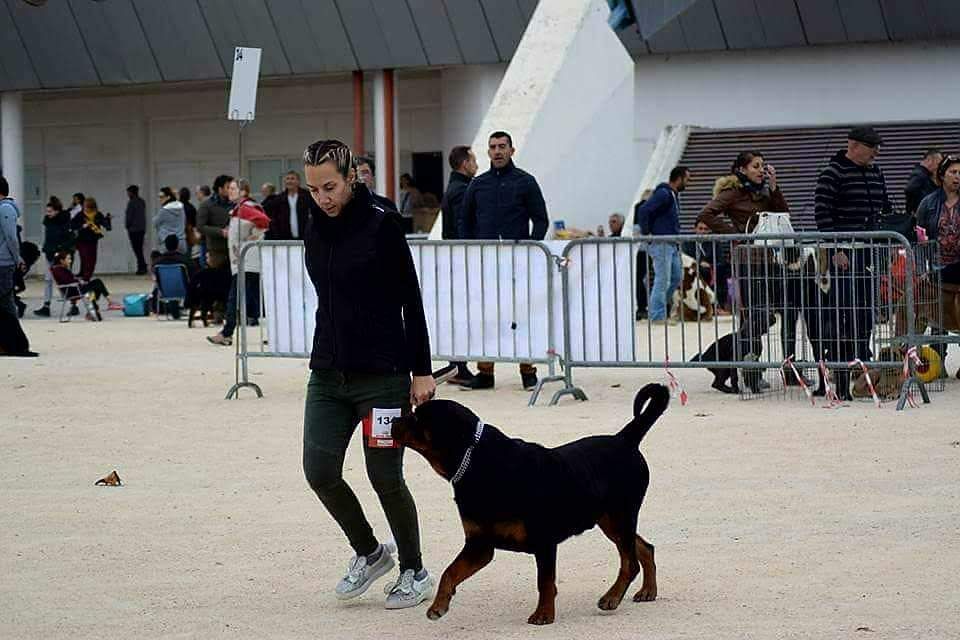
(136,242)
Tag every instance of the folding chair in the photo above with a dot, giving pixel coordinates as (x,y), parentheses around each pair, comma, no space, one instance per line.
(172,283)
(70,293)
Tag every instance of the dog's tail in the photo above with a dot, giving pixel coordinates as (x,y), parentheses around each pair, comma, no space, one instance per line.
(649,403)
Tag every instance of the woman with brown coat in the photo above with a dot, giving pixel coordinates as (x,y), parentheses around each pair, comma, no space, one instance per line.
(738,199)
(751,187)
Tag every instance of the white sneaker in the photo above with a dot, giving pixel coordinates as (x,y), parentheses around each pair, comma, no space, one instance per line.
(407,591)
(361,575)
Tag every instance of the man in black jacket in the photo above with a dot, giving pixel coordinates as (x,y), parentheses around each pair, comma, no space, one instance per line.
(463,165)
(289,210)
(135,220)
(851,197)
(921,182)
(501,204)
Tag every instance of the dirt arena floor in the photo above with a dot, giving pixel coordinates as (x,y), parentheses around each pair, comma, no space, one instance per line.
(771,519)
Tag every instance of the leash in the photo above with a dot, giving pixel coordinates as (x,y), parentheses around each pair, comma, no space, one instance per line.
(803,383)
(857,362)
(465,463)
(675,385)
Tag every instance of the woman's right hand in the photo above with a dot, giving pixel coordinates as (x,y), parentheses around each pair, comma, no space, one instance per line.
(422,389)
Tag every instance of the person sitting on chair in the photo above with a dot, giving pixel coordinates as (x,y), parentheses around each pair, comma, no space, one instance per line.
(73,287)
(173,255)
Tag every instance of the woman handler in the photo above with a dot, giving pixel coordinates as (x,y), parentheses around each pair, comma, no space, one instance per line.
(370,361)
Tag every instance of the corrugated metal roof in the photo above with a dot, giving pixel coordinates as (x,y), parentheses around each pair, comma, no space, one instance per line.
(79,43)
(679,26)
(799,154)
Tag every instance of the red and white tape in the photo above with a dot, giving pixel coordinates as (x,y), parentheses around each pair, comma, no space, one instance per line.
(675,385)
(800,380)
(873,391)
(910,355)
(833,401)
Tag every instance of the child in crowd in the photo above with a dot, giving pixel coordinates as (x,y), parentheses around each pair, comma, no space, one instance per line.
(62,273)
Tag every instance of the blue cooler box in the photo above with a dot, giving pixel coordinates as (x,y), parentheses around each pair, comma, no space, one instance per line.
(136,304)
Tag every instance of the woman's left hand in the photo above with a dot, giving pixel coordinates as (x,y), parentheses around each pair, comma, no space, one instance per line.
(422,389)
(772,177)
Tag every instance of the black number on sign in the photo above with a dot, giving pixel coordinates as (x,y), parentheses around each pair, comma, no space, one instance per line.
(239,55)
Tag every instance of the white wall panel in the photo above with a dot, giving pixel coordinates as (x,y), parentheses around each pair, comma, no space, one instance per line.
(797,86)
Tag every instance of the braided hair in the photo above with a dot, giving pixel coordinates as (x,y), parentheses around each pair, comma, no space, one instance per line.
(333,151)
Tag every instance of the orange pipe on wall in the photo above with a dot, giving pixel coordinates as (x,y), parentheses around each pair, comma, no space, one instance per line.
(358,132)
(389,162)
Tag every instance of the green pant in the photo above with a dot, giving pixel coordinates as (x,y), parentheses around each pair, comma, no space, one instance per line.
(336,402)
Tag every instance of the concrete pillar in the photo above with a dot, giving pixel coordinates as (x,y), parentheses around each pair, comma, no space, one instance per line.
(379,131)
(384,132)
(358,114)
(11,141)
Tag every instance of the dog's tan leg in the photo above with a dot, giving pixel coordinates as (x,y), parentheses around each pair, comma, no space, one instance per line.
(473,557)
(648,590)
(622,534)
(546,586)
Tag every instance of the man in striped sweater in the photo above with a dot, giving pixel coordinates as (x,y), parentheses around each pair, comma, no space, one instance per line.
(851,196)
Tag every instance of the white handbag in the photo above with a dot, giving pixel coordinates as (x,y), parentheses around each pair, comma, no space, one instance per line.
(776,223)
(772,223)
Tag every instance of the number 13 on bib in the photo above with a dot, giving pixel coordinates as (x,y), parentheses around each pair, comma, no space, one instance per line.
(377,426)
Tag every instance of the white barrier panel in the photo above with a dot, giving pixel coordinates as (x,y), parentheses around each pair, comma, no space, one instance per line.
(289,300)
(601,311)
(482,301)
(488,300)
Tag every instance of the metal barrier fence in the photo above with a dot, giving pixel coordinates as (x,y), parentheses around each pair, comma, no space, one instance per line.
(807,306)
(835,305)
(484,301)
(490,301)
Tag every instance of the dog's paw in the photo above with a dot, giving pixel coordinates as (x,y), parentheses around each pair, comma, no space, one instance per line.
(609,602)
(435,612)
(646,594)
(541,617)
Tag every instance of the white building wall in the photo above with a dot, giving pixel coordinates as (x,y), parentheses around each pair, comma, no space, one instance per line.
(466,94)
(804,86)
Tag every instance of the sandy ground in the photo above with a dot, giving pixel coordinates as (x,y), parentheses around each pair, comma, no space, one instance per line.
(772,519)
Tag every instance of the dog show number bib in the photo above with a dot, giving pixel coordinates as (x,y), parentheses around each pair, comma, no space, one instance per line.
(377,427)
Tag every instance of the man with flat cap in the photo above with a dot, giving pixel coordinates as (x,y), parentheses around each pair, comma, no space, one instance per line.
(851,196)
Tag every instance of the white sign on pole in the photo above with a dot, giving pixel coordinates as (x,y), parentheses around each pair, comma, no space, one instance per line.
(243,87)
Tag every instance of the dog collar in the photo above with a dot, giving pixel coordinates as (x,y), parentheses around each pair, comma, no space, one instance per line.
(465,463)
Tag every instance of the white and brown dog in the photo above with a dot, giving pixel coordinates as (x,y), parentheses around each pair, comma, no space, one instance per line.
(694,300)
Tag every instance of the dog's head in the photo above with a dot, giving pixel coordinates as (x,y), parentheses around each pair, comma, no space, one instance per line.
(440,431)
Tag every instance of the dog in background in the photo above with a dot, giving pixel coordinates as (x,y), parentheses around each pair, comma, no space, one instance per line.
(719,351)
(694,300)
(521,496)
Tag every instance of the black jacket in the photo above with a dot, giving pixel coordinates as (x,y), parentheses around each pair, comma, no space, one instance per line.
(501,203)
(190,213)
(84,233)
(58,234)
(277,208)
(850,197)
(452,204)
(919,186)
(135,217)
(369,312)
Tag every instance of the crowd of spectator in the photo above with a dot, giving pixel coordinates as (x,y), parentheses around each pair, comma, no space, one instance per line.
(851,196)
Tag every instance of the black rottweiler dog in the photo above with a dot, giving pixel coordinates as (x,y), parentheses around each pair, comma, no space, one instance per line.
(521,496)
(719,351)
